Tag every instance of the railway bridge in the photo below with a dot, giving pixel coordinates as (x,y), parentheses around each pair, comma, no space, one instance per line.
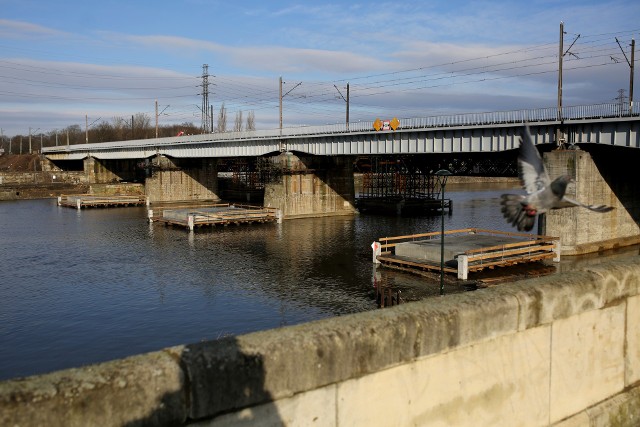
(308,170)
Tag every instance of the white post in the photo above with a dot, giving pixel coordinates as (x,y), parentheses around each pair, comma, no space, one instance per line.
(150,215)
(463,267)
(59,200)
(190,221)
(556,250)
(377,250)
(78,203)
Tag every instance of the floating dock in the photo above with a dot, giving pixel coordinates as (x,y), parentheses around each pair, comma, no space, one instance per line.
(217,214)
(465,251)
(80,201)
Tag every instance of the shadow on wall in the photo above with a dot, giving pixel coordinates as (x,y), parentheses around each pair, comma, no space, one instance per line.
(219,378)
(619,168)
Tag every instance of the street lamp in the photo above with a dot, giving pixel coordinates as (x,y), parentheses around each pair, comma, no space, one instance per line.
(441,176)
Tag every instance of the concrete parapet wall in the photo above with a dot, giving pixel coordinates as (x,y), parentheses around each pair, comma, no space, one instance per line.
(559,350)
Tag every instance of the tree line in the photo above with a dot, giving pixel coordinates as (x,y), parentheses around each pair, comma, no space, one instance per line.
(139,126)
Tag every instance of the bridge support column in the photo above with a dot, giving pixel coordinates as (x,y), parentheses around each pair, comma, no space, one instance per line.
(109,171)
(310,186)
(604,178)
(176,180)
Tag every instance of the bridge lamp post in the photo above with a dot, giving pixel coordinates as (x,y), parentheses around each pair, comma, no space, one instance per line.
(441,176)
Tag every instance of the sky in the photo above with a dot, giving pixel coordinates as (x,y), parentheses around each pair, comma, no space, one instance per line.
(85,62)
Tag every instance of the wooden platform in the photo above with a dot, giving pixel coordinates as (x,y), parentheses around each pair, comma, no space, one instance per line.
(466,251)
(80,201)
(216,214)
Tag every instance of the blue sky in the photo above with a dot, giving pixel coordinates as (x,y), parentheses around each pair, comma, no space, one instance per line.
(60,61)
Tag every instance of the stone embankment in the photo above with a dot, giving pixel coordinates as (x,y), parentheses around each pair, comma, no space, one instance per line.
(560,350)
(22,177)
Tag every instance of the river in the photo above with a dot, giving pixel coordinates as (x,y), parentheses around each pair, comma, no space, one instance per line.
(80,287)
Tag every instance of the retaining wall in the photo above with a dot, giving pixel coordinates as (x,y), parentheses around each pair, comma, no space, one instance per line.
(560,350)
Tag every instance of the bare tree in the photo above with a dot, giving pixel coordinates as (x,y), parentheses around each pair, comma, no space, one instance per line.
(75,134)
(121,128)
(237,126)
(142,125)
(251,121)
(222,119)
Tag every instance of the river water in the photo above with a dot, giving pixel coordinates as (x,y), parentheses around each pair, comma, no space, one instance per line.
(79,287)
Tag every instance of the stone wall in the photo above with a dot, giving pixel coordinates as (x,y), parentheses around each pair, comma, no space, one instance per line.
(41,185)
(183,179)
(601,179)
(560,350)
(111,171)
(36,178)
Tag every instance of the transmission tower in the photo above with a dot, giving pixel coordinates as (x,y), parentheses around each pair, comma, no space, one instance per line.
(205,98)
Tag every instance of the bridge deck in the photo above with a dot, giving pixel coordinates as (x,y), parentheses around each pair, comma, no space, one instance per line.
(605,124)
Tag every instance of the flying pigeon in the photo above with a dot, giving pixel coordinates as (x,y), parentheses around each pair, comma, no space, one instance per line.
(542,194)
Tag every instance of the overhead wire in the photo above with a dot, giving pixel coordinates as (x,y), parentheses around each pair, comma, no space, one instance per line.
(320,98)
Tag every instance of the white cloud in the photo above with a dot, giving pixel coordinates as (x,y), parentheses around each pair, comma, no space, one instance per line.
(27,30)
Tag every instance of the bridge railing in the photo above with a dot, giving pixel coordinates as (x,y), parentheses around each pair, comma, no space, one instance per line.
(596,111)
(606,110)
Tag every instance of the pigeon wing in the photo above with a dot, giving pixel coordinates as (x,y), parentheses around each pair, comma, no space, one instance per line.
(567,202)
(531,170)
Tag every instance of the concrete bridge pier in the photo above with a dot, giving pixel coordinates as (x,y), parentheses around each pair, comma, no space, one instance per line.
(601,177)
(176,180)
(308,186)
(110,171)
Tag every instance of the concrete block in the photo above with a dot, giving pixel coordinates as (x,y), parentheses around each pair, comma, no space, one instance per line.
(621,410)
(454,245)
(139,390)
(315,408)
(618,279)
(463,319)
(256,368)
(579,420)
(632,356)
(541,300)
(504,382)
(583,374)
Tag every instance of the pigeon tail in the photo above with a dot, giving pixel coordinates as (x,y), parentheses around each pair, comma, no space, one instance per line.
(513,210)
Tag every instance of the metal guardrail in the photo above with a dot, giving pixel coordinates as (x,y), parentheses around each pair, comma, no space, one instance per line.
(580,112)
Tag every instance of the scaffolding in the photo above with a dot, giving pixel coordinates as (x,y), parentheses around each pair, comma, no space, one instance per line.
(397,178)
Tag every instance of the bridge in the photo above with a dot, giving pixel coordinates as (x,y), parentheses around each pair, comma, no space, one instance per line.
(309,170)
(609,124)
